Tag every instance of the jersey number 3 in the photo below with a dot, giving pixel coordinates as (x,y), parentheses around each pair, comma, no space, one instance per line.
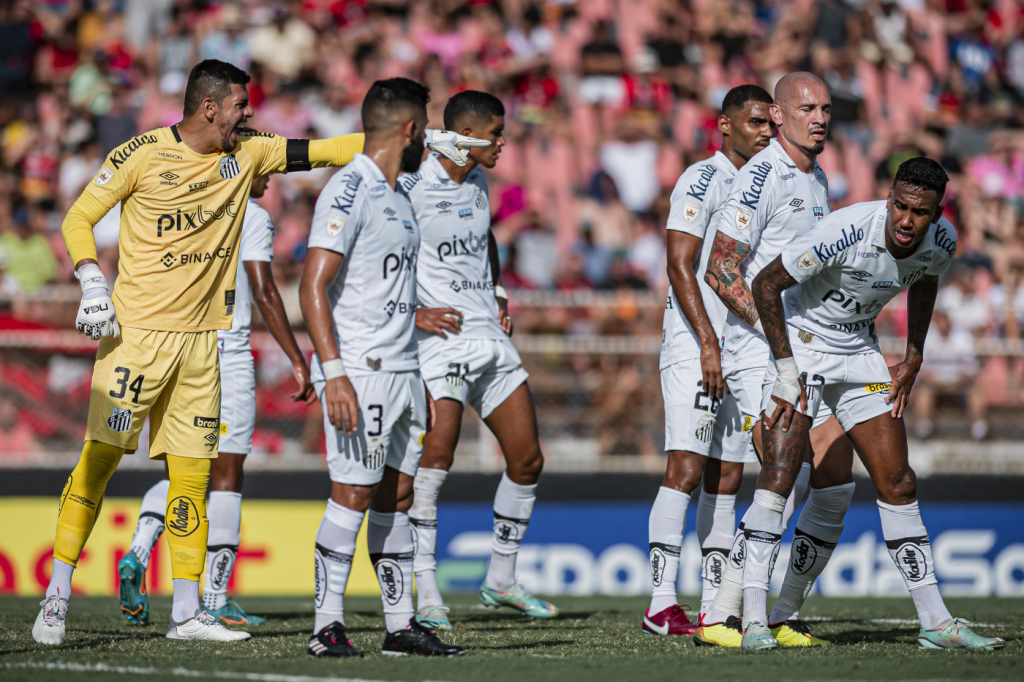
(135,387)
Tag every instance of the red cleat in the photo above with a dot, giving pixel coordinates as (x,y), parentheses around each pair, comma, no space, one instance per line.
(671,621)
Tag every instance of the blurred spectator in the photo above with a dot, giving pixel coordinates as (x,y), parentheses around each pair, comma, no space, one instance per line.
(602,66)
(16,435)
(26,257)
(631,161)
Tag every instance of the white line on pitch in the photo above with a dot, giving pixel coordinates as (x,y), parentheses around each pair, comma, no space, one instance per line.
(175,672)
(889,621)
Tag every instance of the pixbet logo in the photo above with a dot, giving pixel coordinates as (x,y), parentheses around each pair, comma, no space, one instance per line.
(184,220)
(395,262)
(850,304)
(462,246)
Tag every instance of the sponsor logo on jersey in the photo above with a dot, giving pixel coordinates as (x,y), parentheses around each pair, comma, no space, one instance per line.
(392,307)
(925,258)
(169,260)
(407,225)
(819,213)
(120,420)
(374,454)
(392,584)
(182,516)
(804,554)
(169,178)
(465,213)
(945,240)
(167,155)
(198,186)
(223,428)
(848,238)
(704,428)
(806,337)
(879,388)
(758,176)
(119,156)
(343,202)
(104,176)
(690,211)
(743,218)
(390,213)
(887,284)
(748,423)
(699,189)
(462,246)
(796,203)
(211,440)
(867,254)
(860,276)
(787,176)
(229,167)
(444,207)
(465,285)
(206,422)
(380,190)
(807,261)
(853,327)
(394,262)
(183,221)
(849,303)
(335,223)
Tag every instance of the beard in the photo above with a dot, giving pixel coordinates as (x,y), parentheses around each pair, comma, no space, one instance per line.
(411,157)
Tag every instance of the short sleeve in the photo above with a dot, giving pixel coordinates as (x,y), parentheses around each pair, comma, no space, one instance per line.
(120,174)
(945,242)
(819,249)
(750,205)
(689,210)
(257,236)
(269,152)
(336,221)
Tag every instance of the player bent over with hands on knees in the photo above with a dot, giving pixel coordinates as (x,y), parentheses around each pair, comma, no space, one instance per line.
(466,356)
(358,297)
(237,421)
(183,190)
(825,350)
(704,433)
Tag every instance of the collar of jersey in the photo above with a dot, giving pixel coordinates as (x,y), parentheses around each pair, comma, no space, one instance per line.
(369,167)
(723,162)
(193,152)
(432,170)
(785,158)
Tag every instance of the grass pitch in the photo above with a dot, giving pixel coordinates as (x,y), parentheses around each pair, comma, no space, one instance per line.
(595,638)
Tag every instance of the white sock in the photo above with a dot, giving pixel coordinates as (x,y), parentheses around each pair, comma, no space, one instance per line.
(513,507)
(186,600)
(911,551)
(817,532)
(151,522)
(423,521)
(797,495)
(728,601)
(665,538)
(225,513)
(716,519)
(60,579)
(389,539)
(335,545)
(762,533)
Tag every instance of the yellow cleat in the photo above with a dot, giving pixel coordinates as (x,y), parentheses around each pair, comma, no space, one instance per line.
(796,633)
(727,634)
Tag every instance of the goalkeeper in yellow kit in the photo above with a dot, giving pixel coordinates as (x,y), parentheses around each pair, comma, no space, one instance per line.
(183,192)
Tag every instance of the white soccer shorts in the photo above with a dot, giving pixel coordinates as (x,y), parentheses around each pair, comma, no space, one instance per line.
(482,372)
(854,387)
(237,401)
(392,425)
(747,386)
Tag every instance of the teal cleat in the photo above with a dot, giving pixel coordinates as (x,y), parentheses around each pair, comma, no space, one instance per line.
(433,617)
(132,590)
(519,599)
(757,637)
(232,614)
(955,634)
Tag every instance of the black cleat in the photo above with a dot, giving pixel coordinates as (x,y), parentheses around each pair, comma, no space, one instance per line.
(417,640)
(332,642)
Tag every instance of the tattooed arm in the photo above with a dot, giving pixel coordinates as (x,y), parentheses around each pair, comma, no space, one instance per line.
(767,291)
(723,276)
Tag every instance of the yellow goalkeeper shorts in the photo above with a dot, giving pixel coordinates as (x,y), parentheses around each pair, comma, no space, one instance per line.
(171,377)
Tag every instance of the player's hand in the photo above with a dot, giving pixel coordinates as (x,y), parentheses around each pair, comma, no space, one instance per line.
(439,320)
(787,393)
(96,314)
(431,409)
(342,404)
(903,376)
(452,146)
(503,317)
(305,394)
(711,369)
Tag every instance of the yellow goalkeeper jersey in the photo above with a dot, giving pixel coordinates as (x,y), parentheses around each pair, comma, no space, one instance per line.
(181,220)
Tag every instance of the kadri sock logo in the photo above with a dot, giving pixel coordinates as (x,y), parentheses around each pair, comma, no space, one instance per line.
(182,516)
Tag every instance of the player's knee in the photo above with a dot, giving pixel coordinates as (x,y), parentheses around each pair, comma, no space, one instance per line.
(728,480)
(527,467)
(901,489)
(684,471)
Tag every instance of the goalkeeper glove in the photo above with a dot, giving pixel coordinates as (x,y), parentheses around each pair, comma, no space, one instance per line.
(452,146)
(96,314)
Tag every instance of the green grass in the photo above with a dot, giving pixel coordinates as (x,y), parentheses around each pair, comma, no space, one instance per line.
(595,638)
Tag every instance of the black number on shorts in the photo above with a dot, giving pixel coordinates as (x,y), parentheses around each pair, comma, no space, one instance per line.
(379,420)
(135,387)
(816,380)
(699,402)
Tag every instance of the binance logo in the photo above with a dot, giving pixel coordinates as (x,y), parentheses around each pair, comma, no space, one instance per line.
(167,260)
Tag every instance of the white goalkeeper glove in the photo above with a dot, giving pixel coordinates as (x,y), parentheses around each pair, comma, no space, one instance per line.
(452,146)
(96,314)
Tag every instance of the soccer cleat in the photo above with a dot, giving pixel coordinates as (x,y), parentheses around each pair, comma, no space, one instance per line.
(954,634)
(795,633)
(519,599)
(670,621)
(332,642)
(204,627)
(757,637)
(433,617)
(232,614)
(132,590)
(417,640)
(50,626)
(727,634)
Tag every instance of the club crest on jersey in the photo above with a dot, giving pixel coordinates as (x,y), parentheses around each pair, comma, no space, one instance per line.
(374,454)
(229,167)
(104,176)
(704,428)
(806,337)
(807,261)
(335,223)
(120,420)
(480,201)
(743,218)
(699,189)
(691,211)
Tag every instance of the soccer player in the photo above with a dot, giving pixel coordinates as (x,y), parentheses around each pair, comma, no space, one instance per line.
(237,421)
(358,296)
(825,350)
(182,190)
(704,434)
(466,356)
(778,195)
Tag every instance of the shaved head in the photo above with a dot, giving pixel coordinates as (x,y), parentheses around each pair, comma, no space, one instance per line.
(791,85)
(801,113)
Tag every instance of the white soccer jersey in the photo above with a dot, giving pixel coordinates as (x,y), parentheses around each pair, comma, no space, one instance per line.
(257,244)
(772,203)
(848,276)
(454,270)
(374,295)
(701,191)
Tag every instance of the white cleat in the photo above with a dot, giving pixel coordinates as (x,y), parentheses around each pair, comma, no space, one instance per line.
(204,627)
(49,627)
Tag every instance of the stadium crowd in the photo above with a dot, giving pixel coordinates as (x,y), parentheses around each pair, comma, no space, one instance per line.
(608,101)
